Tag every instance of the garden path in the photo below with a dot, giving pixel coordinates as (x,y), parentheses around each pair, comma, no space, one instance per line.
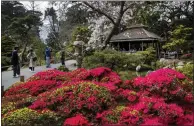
(7,76)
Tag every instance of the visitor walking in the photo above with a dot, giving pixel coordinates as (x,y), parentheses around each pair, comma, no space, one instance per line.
(63,58)
(48,57)
(15,62)
(32,60)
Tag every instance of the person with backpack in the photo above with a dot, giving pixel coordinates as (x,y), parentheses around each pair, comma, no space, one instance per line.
(15,62)
(32,60)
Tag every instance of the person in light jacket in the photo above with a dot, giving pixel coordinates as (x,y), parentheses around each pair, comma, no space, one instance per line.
(32,60)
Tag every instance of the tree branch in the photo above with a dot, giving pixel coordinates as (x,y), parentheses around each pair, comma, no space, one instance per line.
(99,11)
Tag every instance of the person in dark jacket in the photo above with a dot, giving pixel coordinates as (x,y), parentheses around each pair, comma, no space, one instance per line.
(48,56)
(15,62)
(63,57)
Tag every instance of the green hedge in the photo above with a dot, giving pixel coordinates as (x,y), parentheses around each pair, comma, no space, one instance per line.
(115,60)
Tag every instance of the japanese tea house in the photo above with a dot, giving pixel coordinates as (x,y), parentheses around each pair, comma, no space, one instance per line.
(136,38)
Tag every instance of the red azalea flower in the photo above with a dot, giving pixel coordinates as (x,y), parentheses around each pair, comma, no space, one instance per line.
(79,119)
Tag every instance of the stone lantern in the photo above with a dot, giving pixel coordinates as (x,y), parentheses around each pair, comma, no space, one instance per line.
(79,48)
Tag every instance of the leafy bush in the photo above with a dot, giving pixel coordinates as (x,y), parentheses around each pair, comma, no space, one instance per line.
(107,58)
(5,60)
(29,117)
(149,55)
(113,59)
(187,70)
(7,45)
(63,68)
(20,117)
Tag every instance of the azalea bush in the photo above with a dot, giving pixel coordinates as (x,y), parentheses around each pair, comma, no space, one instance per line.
(98,96)
(186,56)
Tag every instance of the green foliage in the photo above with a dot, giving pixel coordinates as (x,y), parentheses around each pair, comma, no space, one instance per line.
(84,33)
(7,45)
(7,107)
(62,68)
(20,117)
(76,14)
(160,65)
(187,70)
(7,9)
(149,55)
(5,61)
(114,116)
(23,25)
(128,75)
(53,40)
(115,60)
(28,117)
(39,48)
(108,58)
(179,38)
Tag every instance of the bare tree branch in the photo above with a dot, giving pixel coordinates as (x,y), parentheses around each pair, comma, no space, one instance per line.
(116,25)
(99,11)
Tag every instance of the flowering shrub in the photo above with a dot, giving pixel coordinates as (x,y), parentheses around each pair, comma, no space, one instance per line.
(20,117)
(17,101)
(49,75)
(167,83)
(28,117)
(186,56)
(97,97)
(78,120)
(33,87)
(94,99)
(110,116)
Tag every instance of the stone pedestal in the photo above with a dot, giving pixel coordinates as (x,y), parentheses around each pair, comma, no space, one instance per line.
(79,47)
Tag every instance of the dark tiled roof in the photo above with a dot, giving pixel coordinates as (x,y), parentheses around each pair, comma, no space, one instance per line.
(135,33)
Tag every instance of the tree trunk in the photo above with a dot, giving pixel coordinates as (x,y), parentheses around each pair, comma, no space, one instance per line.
(22,54)
(116,25)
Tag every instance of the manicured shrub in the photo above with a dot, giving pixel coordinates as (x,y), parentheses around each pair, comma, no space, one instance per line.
(63,68)
(149,55)
(20,117)
(85,97)
(107,58)
(118,61)
(28,117)
(187,70)
(17,101)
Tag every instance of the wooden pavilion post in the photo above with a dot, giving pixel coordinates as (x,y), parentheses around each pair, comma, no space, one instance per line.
(129,46)
(157,49)
(118,46)
(153,44)
(142,45)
